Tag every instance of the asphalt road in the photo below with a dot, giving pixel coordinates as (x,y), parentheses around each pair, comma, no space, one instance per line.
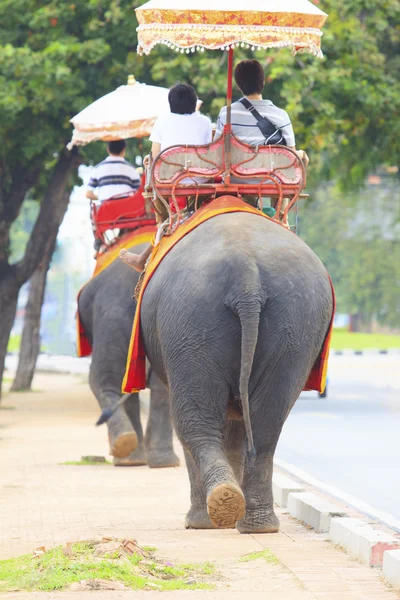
(351,439)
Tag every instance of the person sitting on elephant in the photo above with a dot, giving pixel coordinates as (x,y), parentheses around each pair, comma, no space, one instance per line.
(250,79)
(113,178)
(182,126)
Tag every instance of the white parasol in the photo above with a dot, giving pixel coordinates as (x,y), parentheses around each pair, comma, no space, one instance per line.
(130,111)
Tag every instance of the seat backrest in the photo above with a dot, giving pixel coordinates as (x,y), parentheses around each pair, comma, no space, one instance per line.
(261,161)
(177,161)
(110,211)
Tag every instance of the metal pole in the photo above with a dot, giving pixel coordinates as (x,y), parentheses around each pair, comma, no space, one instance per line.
(228,126)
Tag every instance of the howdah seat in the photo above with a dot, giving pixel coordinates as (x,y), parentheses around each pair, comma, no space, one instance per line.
(227,169)
(129,212)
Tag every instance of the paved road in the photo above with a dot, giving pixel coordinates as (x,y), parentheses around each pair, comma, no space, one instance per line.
(351,440)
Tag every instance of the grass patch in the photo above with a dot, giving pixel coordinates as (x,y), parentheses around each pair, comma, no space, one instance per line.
(264,554)
(85,463)
(14,344)
(58,569)
(344,340)
(7,407)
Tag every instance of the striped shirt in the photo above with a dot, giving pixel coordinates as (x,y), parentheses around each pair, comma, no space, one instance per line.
(114,177)
(244,125)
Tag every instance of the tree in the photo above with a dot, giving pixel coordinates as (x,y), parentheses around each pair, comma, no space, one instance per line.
(345,108)
(55,58)
(360,248)
(30,339)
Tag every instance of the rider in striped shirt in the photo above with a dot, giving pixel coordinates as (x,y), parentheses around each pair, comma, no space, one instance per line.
(114,177)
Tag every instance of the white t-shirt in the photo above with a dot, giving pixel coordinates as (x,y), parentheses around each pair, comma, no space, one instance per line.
(178,130)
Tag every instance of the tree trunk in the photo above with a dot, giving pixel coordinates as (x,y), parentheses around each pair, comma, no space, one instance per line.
(8,305)
(51,214)
(30,340)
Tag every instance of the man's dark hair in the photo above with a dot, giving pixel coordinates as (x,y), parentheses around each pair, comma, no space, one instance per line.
(250,77)
(182,99)
(116,147)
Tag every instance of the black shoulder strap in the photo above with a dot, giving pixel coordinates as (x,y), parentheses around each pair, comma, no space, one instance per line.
(247,104)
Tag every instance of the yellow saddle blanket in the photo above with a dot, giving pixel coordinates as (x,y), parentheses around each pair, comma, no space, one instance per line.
(135,375)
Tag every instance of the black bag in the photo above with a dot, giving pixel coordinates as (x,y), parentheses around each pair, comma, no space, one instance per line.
(271,133)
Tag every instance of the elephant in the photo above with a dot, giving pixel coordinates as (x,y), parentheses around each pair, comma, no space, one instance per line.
(106,311)
(233,320)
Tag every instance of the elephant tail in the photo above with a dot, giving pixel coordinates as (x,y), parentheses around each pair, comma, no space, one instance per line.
(249,315)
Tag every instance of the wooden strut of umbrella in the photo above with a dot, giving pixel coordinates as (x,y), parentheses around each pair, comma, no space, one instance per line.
(190,25)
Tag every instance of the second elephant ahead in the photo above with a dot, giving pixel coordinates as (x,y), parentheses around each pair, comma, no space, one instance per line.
(107,310)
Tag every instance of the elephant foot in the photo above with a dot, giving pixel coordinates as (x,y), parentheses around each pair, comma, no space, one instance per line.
(198,518)
(226,505)
(124,444)
(135,459)
(162,460)
(259,522)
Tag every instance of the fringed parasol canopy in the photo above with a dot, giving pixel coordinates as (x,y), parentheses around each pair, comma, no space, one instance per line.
(128,112)
(189,25)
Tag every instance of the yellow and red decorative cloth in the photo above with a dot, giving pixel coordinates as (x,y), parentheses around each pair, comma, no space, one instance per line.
(143,235)
(135,375)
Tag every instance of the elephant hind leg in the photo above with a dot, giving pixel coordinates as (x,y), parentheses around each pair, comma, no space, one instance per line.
(200,419)
(226,505)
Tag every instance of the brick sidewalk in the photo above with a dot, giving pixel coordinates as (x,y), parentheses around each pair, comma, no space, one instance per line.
(43,502)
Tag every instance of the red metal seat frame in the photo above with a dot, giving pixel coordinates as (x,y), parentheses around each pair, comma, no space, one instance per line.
(128,212)
(277,171)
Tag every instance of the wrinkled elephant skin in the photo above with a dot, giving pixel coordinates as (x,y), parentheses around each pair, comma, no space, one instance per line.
(235,317)
(107,311)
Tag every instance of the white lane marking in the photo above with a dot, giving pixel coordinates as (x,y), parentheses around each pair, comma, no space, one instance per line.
(356,503)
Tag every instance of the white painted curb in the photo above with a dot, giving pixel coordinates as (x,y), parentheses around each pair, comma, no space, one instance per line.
(282,486)
(313,510)
(361,540)
(52,363)
(391,567)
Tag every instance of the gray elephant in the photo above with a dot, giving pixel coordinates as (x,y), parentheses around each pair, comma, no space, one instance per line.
(233,320)
(107,310)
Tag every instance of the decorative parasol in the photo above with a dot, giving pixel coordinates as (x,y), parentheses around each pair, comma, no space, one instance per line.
(129,111)
(189,25)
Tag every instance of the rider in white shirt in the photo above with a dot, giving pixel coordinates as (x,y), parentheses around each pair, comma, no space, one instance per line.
(182,126)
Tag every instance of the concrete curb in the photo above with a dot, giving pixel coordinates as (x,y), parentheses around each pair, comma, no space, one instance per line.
(362,541)
(372,546)
(367,352)
(313,510)
(391,567)
(282,486)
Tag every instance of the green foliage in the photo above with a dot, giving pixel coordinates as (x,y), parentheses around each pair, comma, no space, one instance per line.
(359,247)
(57,57)
(344,109)
(55,570)
(14,344)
